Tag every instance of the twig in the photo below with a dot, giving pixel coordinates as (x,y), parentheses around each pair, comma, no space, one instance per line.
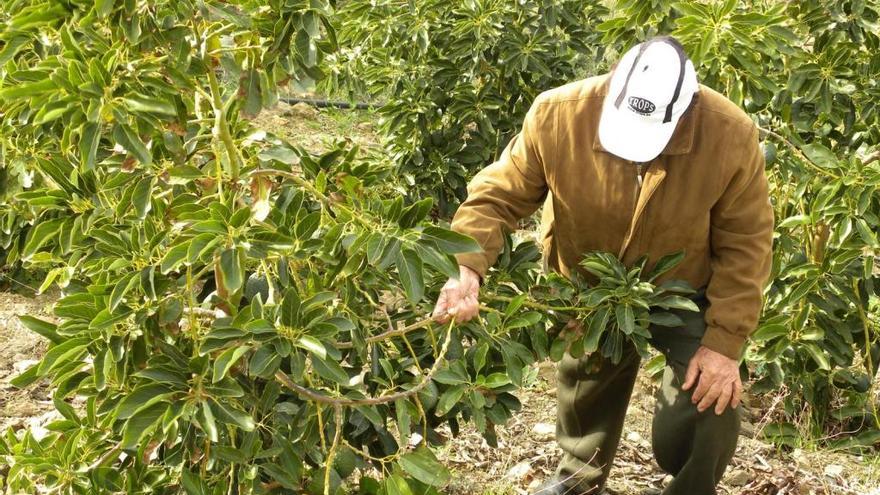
(389,334)
(815,166)
(370,401)
(536,305)
(337,436)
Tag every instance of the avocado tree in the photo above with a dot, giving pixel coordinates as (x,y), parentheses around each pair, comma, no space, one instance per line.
(456,78)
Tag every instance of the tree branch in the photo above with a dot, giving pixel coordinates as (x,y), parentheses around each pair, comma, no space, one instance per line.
(799,153)
(370,401)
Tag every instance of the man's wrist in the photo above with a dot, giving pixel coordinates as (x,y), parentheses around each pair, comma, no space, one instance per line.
(474,261)
(723,342)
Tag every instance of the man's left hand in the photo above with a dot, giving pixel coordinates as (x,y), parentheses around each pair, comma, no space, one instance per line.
(717,380)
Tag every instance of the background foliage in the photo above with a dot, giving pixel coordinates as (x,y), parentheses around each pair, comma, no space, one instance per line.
(237,312)
(457,77)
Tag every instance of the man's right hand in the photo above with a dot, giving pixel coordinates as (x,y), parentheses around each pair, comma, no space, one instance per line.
(459,297)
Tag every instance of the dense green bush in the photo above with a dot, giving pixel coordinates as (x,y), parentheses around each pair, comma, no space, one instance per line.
(237,312)
(456,77)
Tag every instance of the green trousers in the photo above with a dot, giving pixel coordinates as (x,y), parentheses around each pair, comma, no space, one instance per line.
(695,448)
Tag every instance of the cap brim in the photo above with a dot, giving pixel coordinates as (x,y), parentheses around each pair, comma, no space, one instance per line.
(630,137)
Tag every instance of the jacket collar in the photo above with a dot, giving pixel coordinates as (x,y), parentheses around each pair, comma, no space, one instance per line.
(682,141)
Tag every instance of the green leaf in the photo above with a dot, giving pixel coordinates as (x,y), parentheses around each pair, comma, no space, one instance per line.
(88,144)
(232,269)
(524,320)
(105,318)
(665,264)
(409,266)
(192,482)
(865,233)
(449,399)
(142,196)
(121,288)
(142,424)
(141,398)
(26,378)
(126,137)
(329,369)
(227,360)
(207,421)
(794,221)
(39,236)
(27,90)
(596,327)
(768,332)
(665,319)
(63,353)
(104,7)
(820,155)
(44,328)
(818,356)
(625,317)
(451,242)
(396,485)
(146,104)
(173,257)
(677,302)
(312,345)
(439,261)
(290,307)
(265,362)
(199,245)
(423,466)
(231,415)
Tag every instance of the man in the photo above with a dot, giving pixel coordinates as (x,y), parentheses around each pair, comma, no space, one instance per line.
(642,161)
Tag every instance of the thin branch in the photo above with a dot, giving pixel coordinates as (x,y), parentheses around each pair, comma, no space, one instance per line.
(799,153)
(389,334)
(337,437)
(535,305)
(370,401)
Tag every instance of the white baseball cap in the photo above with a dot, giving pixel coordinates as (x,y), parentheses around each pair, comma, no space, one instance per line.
(649,91)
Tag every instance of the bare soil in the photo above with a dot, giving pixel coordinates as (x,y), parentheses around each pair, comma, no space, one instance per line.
(19,349)
(527,454)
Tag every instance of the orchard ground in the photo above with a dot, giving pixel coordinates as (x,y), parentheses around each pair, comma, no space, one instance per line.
(527,452)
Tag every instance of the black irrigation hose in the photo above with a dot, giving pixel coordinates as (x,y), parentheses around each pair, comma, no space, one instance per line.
(330,104)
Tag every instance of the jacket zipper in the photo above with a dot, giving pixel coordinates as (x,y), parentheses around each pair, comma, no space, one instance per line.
(639,181)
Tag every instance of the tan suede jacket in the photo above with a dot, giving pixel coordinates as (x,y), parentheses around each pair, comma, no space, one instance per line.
(705,194)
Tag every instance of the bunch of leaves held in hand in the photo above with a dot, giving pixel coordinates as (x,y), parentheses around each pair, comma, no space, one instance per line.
(618,309)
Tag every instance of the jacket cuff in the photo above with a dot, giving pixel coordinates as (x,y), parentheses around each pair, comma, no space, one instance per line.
(724,342)
(475,261)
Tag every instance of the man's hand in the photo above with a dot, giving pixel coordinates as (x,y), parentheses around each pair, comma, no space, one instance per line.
(717,379)
(459,298)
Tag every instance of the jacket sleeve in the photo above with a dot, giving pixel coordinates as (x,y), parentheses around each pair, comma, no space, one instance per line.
(741,243)
(504,192)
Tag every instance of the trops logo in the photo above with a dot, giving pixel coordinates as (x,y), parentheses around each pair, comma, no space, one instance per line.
(641,105)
